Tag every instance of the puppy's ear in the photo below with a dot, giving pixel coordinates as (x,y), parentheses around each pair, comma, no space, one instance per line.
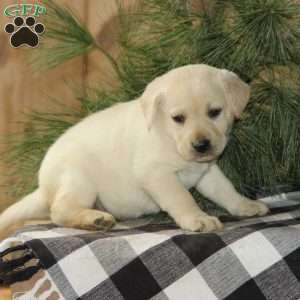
(151,99)
(237,92)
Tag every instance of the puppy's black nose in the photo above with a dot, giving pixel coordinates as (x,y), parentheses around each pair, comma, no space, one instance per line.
(201,146)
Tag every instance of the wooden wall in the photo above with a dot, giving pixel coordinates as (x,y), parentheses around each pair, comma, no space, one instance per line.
(21,89)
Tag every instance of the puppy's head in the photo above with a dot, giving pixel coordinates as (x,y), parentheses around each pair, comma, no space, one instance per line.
(195,106)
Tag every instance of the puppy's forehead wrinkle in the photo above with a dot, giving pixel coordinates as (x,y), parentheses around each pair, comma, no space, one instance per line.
(186,95)
(195,87)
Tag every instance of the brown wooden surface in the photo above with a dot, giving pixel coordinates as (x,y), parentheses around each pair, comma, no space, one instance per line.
(5,293)
(21,89)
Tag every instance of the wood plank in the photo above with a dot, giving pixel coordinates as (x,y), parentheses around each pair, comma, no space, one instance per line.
(5,293)
(103,23)
(21,89)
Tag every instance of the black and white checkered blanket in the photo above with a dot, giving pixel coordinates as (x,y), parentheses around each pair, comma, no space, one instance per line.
(257,258)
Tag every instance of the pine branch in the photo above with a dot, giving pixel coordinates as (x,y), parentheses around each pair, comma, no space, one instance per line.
(66,37)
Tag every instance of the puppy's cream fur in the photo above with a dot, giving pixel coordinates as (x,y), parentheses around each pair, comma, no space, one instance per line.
(134,159)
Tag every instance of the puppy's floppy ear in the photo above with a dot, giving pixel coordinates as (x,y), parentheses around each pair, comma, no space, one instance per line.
(237,92)
(151,99)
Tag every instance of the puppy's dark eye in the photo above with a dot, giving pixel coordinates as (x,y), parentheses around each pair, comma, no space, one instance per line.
(214,112)
(179,119)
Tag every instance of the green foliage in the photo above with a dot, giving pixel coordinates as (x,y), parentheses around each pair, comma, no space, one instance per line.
(253,35)
(65,37)
(258,39)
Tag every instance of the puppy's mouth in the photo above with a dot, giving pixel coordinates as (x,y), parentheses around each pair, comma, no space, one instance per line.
(207,158)
(200,158)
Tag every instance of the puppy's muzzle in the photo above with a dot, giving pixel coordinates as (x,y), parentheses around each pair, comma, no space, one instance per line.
(202,146)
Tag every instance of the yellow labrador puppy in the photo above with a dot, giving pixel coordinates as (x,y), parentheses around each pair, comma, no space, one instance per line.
(141,157)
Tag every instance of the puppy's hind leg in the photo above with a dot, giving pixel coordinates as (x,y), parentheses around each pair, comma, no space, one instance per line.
(74,204)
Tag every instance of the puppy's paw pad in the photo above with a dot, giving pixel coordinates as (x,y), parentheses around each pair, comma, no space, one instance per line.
(249,208)
(106,222)
(201,223)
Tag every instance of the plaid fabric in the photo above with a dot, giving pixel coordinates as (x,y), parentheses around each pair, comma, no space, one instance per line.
(256,258)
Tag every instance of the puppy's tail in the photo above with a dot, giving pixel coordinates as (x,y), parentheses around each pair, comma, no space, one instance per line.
(33,206)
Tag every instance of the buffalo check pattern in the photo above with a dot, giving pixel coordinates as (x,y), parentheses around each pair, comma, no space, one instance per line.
(255,258)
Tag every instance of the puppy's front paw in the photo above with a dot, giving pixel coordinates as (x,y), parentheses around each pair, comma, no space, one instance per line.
(249,208)
(202,223)
(95,220)
(104,222)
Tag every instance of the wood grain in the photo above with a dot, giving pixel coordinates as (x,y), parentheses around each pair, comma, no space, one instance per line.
(5,293)
(102,21)
(21,89)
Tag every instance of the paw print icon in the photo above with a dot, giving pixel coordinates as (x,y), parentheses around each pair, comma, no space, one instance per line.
(24,32)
